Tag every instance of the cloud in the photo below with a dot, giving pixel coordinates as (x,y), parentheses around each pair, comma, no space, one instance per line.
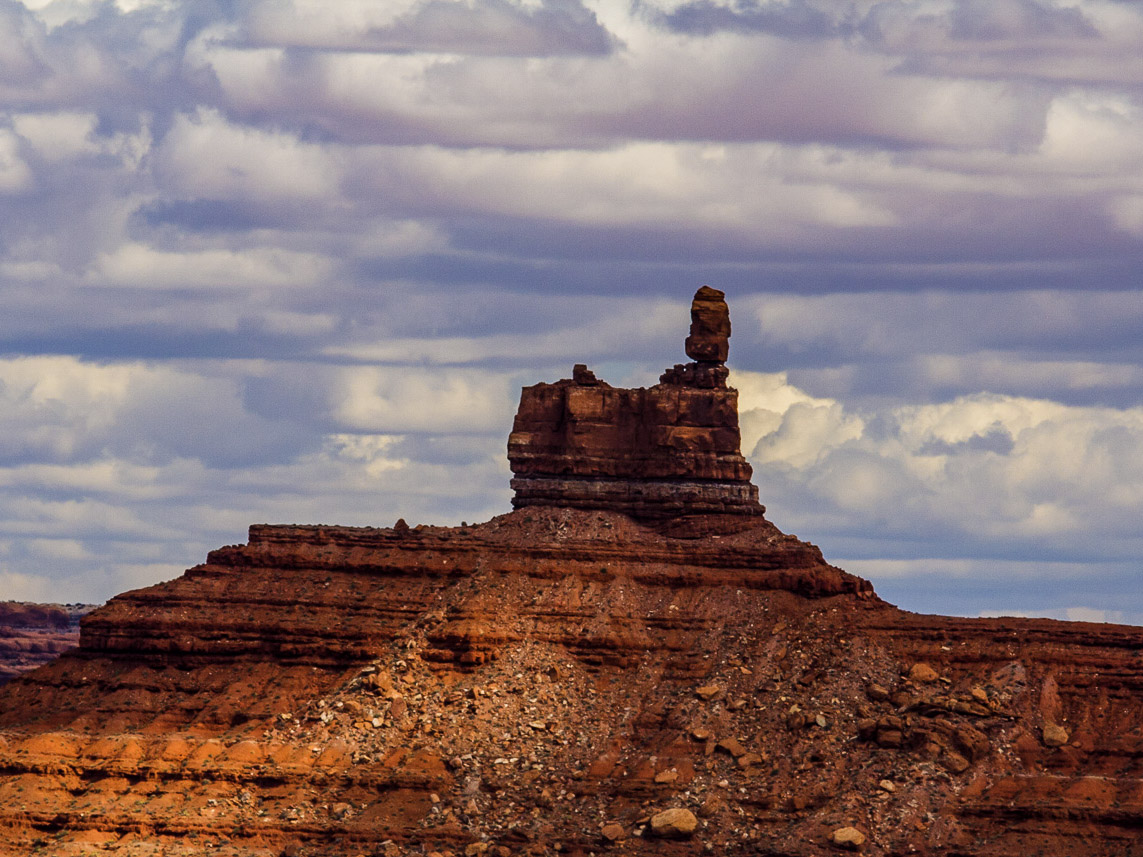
(795,19)
(59,410)
(1009,501)
(1008,474)
(492,27)
(15,176)
(386,400)
(976,20)
(205,156)
(143,266)
(1053,43)
(1079,347)
(114,476)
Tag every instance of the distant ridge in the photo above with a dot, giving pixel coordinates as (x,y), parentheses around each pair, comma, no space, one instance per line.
(33,634)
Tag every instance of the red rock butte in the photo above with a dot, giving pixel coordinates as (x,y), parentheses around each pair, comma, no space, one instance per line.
(632,662)
(670,450)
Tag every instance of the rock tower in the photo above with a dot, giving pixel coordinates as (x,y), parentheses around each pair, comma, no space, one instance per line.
(658,452)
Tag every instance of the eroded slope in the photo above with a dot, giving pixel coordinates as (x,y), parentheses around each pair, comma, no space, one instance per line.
(556,677)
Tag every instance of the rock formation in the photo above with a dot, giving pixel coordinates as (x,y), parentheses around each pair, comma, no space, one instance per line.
(652,453)
(709,340)
(34,634)
(568,680)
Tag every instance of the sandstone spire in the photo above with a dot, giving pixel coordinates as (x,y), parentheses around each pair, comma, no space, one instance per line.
(669,450)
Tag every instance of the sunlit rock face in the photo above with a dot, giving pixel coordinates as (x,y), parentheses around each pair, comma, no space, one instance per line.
(668,450)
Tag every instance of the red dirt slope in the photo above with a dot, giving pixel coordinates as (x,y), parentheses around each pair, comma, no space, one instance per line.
(558,677)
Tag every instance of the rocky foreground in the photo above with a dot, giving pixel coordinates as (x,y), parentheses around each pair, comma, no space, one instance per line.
(601,671)
(553,680)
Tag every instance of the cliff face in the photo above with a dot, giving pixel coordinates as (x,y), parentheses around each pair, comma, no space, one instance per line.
(34,634)
(650,453)
(550,682)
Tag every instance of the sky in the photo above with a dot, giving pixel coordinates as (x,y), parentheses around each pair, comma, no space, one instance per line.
(292,262)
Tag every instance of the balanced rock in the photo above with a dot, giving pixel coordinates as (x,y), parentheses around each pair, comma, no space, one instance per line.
(710,327)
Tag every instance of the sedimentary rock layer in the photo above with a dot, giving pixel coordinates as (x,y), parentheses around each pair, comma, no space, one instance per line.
(673,449)
(559,676)
(651,453)
(633,662)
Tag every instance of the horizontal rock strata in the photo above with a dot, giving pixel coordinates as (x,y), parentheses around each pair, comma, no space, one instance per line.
(564,676)
(650,453)
(633,662)
(659,452)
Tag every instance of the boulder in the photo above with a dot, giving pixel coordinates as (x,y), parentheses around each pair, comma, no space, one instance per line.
(675,823)
(848,837)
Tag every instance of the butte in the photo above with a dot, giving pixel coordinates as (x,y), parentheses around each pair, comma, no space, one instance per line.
(634,661)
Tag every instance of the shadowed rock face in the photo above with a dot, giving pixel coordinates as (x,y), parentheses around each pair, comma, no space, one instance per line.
(670,450)
(567,675)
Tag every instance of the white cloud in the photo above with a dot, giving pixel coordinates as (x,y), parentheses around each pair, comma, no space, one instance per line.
(57,136)
(63,411)
(313,22)
(60,137)
(146,267)
(783,424)
(116,476)
(407,399)
(744,192)
(15,176)
(206,156)
(1022,473)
